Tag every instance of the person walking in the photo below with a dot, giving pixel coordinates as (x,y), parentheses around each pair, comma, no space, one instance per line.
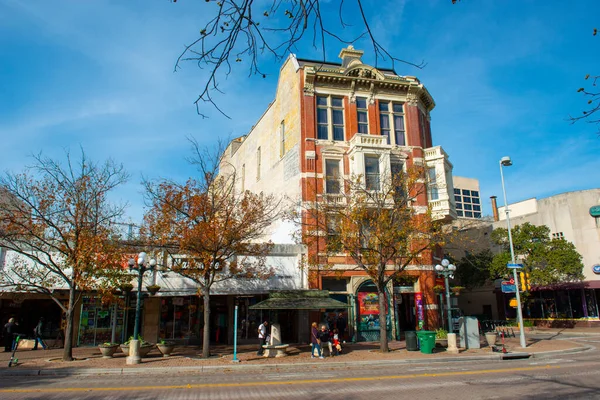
(37,335)
(10,328)
(262,337)
(315,342)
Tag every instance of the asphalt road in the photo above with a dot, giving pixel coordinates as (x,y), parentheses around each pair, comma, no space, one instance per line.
(563,377)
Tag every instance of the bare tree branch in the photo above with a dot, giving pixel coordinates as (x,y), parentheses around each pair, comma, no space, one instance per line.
(244,31)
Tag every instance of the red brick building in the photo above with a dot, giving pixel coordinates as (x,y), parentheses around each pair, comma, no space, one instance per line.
(329,120)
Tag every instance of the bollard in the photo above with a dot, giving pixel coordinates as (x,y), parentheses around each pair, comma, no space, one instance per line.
(452,348)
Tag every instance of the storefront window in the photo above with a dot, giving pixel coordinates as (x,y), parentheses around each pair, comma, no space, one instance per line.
(180,318)
(96,322)
(590,300)
(576,303)
(249,320)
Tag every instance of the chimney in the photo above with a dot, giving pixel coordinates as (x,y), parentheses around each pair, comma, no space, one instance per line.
(494,208)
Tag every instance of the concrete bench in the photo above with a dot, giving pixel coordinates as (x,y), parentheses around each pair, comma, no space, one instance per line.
(276,350)
(25,344)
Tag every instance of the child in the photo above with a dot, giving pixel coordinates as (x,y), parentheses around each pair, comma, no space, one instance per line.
(336,342)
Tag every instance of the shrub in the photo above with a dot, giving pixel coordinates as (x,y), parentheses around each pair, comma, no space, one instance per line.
(441,334)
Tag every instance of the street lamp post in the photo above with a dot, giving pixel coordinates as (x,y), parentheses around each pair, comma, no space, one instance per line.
(506,162)
(446,269)
(142,265)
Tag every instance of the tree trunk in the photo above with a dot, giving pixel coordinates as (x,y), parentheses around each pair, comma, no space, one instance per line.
(206,333)
(383,339)
(68,347)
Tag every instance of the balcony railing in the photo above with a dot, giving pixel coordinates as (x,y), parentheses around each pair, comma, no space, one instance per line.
(336,199)
(435,152)
(368,140)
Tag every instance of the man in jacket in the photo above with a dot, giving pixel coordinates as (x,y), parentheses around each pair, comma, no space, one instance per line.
(37,334)
(10,328)
(324,336)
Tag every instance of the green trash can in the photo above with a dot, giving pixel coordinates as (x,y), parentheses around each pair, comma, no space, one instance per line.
(426,341)
(411,341)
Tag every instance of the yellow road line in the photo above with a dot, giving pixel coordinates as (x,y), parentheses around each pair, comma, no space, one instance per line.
(296,382)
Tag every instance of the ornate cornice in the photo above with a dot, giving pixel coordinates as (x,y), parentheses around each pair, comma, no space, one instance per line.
(353,76)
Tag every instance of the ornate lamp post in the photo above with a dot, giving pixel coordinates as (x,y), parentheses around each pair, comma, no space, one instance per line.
(142,265)
(506,162)
(447,270)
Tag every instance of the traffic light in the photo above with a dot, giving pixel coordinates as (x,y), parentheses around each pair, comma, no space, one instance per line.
(524,282)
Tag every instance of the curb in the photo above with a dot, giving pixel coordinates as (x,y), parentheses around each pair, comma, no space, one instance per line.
(548,354)
(212,368)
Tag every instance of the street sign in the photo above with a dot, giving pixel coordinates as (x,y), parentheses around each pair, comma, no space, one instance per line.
(514,266)
(509,289)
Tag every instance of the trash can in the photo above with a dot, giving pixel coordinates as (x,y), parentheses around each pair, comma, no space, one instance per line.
(411,340)
(426,341)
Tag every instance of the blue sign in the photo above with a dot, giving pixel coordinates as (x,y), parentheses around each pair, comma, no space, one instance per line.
(514,266)
(509,288)
(596,269)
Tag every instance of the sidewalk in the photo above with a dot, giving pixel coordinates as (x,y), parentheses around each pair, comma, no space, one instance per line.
(188,358)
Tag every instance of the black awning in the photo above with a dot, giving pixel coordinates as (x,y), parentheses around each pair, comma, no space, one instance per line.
(299,300)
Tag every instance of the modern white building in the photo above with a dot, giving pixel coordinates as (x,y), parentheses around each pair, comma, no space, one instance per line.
(575,217)
(467,197)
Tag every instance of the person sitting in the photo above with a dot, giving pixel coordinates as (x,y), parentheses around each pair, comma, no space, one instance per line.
(337,346)
(325,340)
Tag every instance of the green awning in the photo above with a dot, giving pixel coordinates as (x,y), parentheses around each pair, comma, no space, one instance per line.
(299,300)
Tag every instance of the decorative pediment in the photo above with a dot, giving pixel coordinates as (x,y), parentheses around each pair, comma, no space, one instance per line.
(365,71)
(332,150)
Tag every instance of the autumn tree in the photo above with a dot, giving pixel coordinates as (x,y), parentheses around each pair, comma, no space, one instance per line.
(256,34)
(473,269)
(58,220)
(547,260)
(377,223)
(212,232)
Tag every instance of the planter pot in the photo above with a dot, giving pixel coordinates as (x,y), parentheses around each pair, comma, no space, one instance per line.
(441,342)
(153,289)
(108,351)
(491,338)
(166,348)
(144,350)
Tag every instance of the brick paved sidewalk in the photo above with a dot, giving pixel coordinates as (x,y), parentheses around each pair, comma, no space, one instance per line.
(189,356)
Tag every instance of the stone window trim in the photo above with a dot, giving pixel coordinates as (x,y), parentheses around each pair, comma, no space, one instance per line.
(362,115)
(329,181)
(372,178)
(432,184)
(392,123)
(330,118)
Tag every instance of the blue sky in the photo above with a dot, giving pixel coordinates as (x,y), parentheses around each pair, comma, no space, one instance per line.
(99,74)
